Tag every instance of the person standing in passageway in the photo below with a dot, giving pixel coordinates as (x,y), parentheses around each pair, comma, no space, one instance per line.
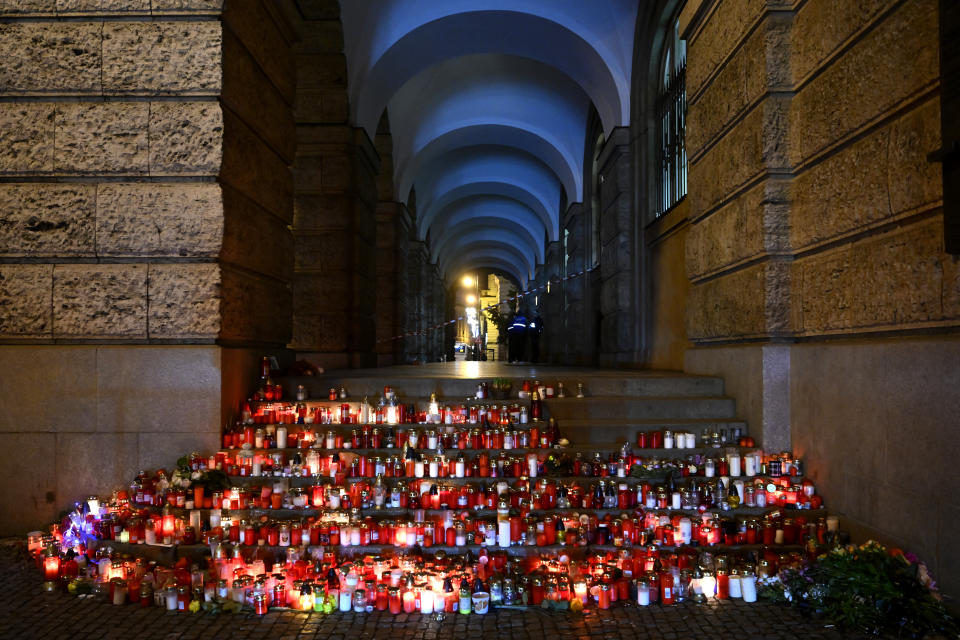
(516,338)
(534,329)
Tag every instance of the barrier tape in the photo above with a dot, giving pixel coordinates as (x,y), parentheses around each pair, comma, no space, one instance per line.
(425,330)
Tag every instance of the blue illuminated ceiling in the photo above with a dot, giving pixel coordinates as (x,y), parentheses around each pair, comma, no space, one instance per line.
(488,102)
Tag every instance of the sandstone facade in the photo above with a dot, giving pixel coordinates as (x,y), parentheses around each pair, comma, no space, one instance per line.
(124,226)
(182,191)
(815,214)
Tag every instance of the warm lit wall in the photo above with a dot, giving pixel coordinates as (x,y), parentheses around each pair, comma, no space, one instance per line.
(666,241)
(877,416)
(143,242)
(815,250)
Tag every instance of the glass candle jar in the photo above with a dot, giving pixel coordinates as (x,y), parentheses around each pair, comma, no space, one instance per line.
(119,588)
(360,600)
(171,598)
(643,593)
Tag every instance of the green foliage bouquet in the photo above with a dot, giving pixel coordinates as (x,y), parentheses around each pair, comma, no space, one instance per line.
(867,588)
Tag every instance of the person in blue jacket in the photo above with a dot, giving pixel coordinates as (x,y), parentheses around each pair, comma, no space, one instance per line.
(516,337)
(534,329)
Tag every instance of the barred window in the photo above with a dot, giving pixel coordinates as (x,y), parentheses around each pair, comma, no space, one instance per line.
(672,111)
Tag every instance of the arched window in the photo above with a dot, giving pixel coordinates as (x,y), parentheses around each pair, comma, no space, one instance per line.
(672,111)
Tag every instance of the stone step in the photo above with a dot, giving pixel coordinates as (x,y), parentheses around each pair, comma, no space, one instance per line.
(197,552)
(594,384)
(741,512)
(451,452)
(306,481)
(647,408)
(594,432)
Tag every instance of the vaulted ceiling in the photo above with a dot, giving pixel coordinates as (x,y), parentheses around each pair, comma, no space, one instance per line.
(488,103)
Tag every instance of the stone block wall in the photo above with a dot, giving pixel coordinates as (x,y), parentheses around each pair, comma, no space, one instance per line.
(620,324)
(81,419)
(414,318)
(336,206)
(666,241)
(553,341)
(393,229)
(145,191)
(737,92)
(815,250)
(574,292)
(256,176)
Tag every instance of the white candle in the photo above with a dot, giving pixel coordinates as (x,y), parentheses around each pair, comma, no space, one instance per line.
(643,595)
(686,530)
(748,586)
(733,461)
(426,601)
(503,533)
(738,487)
(735,591)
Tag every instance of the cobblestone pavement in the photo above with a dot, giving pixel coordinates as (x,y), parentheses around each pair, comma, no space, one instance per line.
(26,613)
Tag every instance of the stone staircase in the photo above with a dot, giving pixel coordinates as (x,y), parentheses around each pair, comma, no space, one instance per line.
(616,407)
(617,404)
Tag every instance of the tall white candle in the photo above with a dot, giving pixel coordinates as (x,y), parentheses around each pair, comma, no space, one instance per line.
(426,601)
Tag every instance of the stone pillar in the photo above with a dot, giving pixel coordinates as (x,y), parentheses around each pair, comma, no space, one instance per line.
(620,326)
(393,228)
(415,259)
(738,248)
(440,305)
(256,179)
(553,339)
(428,314)
(573,291)
(137,263)
(335,223)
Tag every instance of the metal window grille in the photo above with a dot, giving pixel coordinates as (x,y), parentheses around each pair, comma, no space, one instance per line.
(672,111)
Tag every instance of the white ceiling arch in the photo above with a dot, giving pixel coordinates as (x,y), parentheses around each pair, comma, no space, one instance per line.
(485,212)
(446,206)
(387,43)
(503,227)
(491,89)
(488,104)
(486,169)
(497,134)
(481,244)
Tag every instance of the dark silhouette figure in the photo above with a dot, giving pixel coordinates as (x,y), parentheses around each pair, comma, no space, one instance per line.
(534,329)
(516,338)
